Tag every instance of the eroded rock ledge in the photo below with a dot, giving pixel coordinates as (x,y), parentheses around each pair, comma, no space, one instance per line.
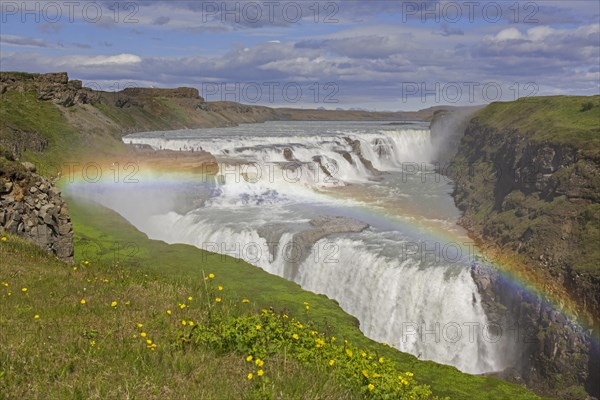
(32,207)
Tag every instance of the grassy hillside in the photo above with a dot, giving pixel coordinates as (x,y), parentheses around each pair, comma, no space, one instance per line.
(572,120)
(45,136)
(82,333)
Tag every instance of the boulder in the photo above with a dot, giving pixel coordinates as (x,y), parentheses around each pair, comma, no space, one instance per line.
(29,166)
(33,208)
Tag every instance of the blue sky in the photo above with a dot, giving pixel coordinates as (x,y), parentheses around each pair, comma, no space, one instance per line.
(383,55)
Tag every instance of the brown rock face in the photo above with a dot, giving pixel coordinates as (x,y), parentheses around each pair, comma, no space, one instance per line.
(181,92)
(54,87)
(31,207)
(537,200)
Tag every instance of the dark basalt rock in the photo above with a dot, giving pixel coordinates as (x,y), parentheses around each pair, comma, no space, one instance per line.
(538,199)
(355,144)
(33,208)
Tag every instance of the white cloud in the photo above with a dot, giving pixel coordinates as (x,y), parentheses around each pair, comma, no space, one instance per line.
(507,34)
(21,41)
(120,59)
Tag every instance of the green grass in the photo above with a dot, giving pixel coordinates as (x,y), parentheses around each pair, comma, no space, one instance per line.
(99,232)
(558,119)
(22,112)
(96,351)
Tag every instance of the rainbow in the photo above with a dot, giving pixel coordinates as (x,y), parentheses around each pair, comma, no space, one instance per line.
(516,271)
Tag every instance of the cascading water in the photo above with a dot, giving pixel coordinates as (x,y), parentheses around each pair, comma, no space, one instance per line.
(275,178)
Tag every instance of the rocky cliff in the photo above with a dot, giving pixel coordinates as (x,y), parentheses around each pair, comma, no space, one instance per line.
(527,177)
(32,207)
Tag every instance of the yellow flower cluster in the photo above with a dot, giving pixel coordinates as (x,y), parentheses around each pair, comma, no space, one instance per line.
(259,363)
(150,345)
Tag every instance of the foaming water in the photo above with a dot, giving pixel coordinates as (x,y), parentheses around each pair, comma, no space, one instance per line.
(404,286)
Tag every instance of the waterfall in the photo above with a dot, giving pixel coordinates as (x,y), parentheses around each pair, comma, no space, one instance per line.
(274,179)
(328,159)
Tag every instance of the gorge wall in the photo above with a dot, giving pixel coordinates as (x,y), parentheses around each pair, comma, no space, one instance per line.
(527,178)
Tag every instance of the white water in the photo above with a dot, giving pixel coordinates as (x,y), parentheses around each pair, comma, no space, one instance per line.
(421,304)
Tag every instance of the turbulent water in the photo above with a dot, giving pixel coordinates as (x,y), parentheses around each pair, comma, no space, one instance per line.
(406,277)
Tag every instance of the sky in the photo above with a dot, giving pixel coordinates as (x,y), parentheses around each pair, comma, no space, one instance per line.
(375,55)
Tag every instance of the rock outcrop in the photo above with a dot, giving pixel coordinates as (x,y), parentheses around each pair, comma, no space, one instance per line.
(304,239)
(181,92)
(55,87)
(536,199)
(355,144)
(32,207)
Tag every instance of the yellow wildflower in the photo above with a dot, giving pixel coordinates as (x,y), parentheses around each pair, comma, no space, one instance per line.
(169,312)
(258,327)
(190,298)
(220,288)
(3,238)
(218,299)
(143,334)
(295,336)
(183,322)
(260,372)
(24,289)
(365,373)
(182,306)
(82,301)
(149,341)
(259,362)
(36,316)
(113,304)
(140,325)
(245,301)
(249,358)
(349,352)
(211,276)
(331,363)
(191,323)
(370,386)
(381,359)
(250,376)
